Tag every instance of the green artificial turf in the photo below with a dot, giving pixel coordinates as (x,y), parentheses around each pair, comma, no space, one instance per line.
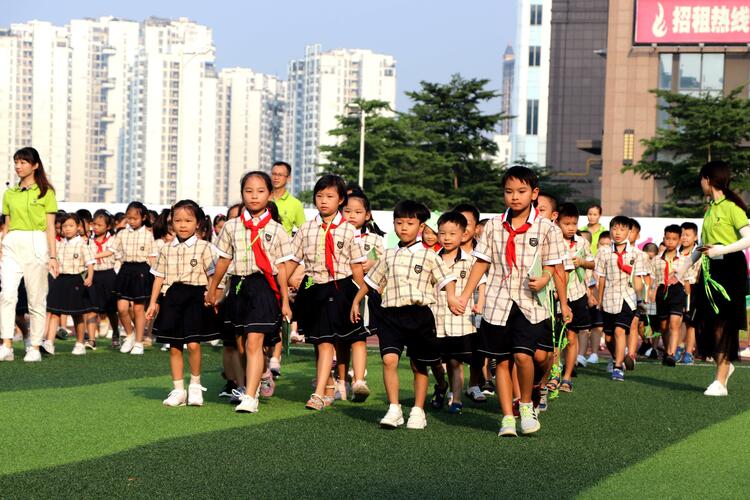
(94,427)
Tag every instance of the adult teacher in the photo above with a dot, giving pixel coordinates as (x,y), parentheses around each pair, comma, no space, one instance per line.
(722,287)
(290,208)
(28,250)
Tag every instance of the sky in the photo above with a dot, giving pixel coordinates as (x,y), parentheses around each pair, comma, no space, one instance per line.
(431,40)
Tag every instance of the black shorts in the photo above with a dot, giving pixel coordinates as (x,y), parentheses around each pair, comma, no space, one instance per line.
(581,318)
(671,303)
(518,335)
(458,348)
(623,319)
(412,327)
(597,320)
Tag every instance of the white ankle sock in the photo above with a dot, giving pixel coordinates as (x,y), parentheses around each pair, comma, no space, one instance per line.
(179,385)
(195,379)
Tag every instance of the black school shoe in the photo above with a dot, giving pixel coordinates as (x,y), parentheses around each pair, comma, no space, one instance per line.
(438,397)
(226,392)
(488,388)
(668,361)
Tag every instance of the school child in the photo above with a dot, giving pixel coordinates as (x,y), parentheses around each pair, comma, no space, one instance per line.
(68,293)
(512,248)
(619,270)
(479,385)
(218,225)
(725,235)
(638,319)
(581,260)
(134,246)
(182,272)
(430,239)
(333,263)
(456,334)
(369,236)
(671,298)
(688,240)
(257,297)
(407,278)
(649,345)
(85,227)
(595,312)
(101,292)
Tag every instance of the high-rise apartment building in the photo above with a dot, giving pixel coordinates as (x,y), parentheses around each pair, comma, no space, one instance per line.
(322,85)
(531,81)
(250,132)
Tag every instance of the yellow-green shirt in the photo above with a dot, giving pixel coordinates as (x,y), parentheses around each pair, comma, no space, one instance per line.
(27,211)
(594,237)
(722,222)
(291,212)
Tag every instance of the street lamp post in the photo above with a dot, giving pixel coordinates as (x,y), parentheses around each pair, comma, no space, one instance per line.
(361,178)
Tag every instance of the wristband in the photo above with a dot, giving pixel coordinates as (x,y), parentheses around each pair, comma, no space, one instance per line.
(53,258)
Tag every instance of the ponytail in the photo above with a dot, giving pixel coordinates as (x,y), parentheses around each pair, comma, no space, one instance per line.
(719,176)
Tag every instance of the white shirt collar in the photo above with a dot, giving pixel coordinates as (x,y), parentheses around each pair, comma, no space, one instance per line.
(256,220)
(628,246)
(140,229)
(72,240)
(336,220)
(414,247)
(533,215)
(188,242)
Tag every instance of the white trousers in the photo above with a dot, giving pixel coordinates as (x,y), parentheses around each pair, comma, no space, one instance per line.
(25,255)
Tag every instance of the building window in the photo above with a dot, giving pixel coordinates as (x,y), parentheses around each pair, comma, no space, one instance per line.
(532,117)
(700,73)
(536,15)
(535,55)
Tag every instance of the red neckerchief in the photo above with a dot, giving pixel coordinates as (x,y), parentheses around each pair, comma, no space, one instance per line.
(436,247)
(621,262)
(667,266)
(258,251)
(100,246)
(330,247)
(510,246)
(572,243)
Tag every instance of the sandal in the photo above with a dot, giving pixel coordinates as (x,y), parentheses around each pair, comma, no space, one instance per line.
(566,385)
(553,383)
(316,402)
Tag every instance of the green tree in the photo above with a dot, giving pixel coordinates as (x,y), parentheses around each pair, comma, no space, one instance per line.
(457,135)
(698,129)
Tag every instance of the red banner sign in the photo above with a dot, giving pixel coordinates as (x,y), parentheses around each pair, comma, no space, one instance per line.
(690,22)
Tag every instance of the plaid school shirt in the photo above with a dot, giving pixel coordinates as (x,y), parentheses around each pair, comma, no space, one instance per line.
(447,323)
(692,271)
(408,276)
(103,263)
(679,267)
(506,286)
(74,255)
(580,248)
(371,243)
(618,286)
(234,243)
(134,245)
(190,262)
(309,246)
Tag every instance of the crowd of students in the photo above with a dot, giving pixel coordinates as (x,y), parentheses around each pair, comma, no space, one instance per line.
(520,298)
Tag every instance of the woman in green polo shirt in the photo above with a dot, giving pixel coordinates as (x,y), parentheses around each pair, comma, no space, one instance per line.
(721,290)
(28,250)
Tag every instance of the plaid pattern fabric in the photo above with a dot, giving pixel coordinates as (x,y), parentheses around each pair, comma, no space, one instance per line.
(409,276)
(134,245)
(190,262)
(506,286)
(309,246)
(618,286)
(103,263)
(447,323)
(680,266)
(73,255)
(234,243)
(372,245)
(581,248)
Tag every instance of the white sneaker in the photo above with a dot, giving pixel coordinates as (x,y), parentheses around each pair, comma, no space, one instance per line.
(476,394)
(716,389)
(79,349)
(103,329)
(176,398)
(593,359)
(745,353)
(6,353)
(195,394)
(393,418)
(164,347)
(49,347)
(529,421)
(729,375)
(214,343)
(137,350)
(508,427)
(32,355)
(417,419)
(610,366)
(127,344)
(360,391)
(581,359)
(248,404)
